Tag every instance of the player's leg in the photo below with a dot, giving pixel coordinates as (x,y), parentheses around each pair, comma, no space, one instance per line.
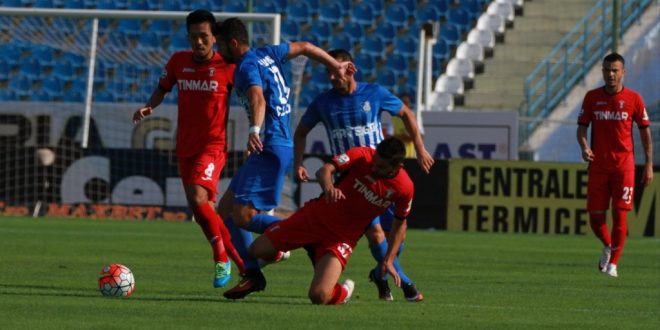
(622,200)
(200,175)
(598,198)
(324,288)
(378,248)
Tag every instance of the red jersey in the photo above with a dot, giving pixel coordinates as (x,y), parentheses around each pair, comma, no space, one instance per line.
(367,196)
(612,117)
(203,101)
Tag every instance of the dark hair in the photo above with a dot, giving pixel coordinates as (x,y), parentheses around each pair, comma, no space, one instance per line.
(614,57)
(341,55)
(200,16)
(233,28)
(392,149)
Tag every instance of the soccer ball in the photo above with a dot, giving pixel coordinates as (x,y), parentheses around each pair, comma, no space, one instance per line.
(116,281)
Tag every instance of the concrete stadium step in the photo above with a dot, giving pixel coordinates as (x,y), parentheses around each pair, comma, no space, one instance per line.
(534,34)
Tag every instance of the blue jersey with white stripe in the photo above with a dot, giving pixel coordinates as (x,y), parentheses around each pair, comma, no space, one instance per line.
(352,120)
(263,67)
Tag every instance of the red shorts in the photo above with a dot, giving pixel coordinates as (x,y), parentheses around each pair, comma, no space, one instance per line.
(302,229)
(617,186)
(203,169)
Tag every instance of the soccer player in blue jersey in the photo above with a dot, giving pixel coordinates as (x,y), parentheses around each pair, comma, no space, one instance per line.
(262,89)
(351,112)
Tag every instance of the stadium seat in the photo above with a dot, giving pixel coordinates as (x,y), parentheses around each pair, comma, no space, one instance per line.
(397,63)
(354,31)
(7,95)
(397,15)
(472,8)
(504,10)
(345,5)
(39,4)
(40,96)
(11,52)
(373,45)
(485,38)
(331,12)
(234,6)
(441,101)
(492,22)
(363,14)
(179,43)
(170,6)
(405,46)
(138,5)
(341,41)
(266,7)
(460,19)
(428,14)
(104,96)
(365,63)
(450,34)
(30,68)
(386,30)
(161,27)
(322,30)
(298,12)
(473,52)
(290,30)
(4,70)
(74,4)
(20,85)
(450,84)
(463,68)
(52,86)
(72,96)
(386,78)
(149,41)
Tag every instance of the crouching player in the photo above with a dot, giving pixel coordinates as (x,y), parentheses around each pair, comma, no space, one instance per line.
(370,181)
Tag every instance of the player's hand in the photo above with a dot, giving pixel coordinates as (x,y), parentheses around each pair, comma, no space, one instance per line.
(647,176)
(587,154)
(301,173)
(345,70)
(425,161)
(141,113)
(387,266)
(333,194)
(254,143)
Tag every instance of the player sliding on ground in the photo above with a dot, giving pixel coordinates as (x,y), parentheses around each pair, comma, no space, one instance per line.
(371,181)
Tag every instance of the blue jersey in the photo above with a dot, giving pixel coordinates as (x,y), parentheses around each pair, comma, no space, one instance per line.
(263,67)
(352,120)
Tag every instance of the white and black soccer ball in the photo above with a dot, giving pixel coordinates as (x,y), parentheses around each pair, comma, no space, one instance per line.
(116,280)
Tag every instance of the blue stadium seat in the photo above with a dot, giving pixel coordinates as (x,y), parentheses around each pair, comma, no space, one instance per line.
(405,46)
(376,5)
(410,5)
(45,55)
(170,6)
(161,27)
(74,4)
(442,7)
(354,31)
(138,5)
(313,7)
(52,86)
(363,14)
(178,43)
(373,45)
(341,41)
(72,96)
(234,6)
(386,78)
(21,86)
(397,63)
(267,7)
(459,18)
(365,63)
(331,12)
(298,12)
(63,70)
(450,34)
(40,96)
(130,27)
(40,4)
(322,30)
(30,68)
(472,8)
(428,14)
(397,15)
(5,68)
(12,3)
(104,96)
(149,40)
(386,30)
(7,95)
(11,52)
(290,30)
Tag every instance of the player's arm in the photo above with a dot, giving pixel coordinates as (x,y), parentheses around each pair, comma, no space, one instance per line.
(299,144)
(340,69)
(255,95)
(324,176)
(587,153)
(424,158)
(647,144)
(155,100)
(394,240)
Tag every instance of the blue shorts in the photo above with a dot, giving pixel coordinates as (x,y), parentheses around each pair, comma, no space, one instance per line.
(261,179)
(385,219)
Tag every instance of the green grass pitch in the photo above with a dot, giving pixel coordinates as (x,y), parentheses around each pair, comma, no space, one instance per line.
(49,269)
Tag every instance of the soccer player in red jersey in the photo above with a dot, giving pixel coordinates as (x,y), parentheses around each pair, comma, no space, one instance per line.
(611,110)
(371,180)
(204,82)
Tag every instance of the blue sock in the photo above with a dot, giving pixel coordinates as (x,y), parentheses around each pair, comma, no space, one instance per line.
(261,222)
(242,240)
(378,252)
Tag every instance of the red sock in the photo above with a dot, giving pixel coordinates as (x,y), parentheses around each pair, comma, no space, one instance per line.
(210,223)
(338,295)
(619,233)
(599,226)
(230,248)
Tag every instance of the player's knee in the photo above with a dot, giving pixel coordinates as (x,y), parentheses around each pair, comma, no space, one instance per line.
(261,248)
(318,296)
(375,235)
